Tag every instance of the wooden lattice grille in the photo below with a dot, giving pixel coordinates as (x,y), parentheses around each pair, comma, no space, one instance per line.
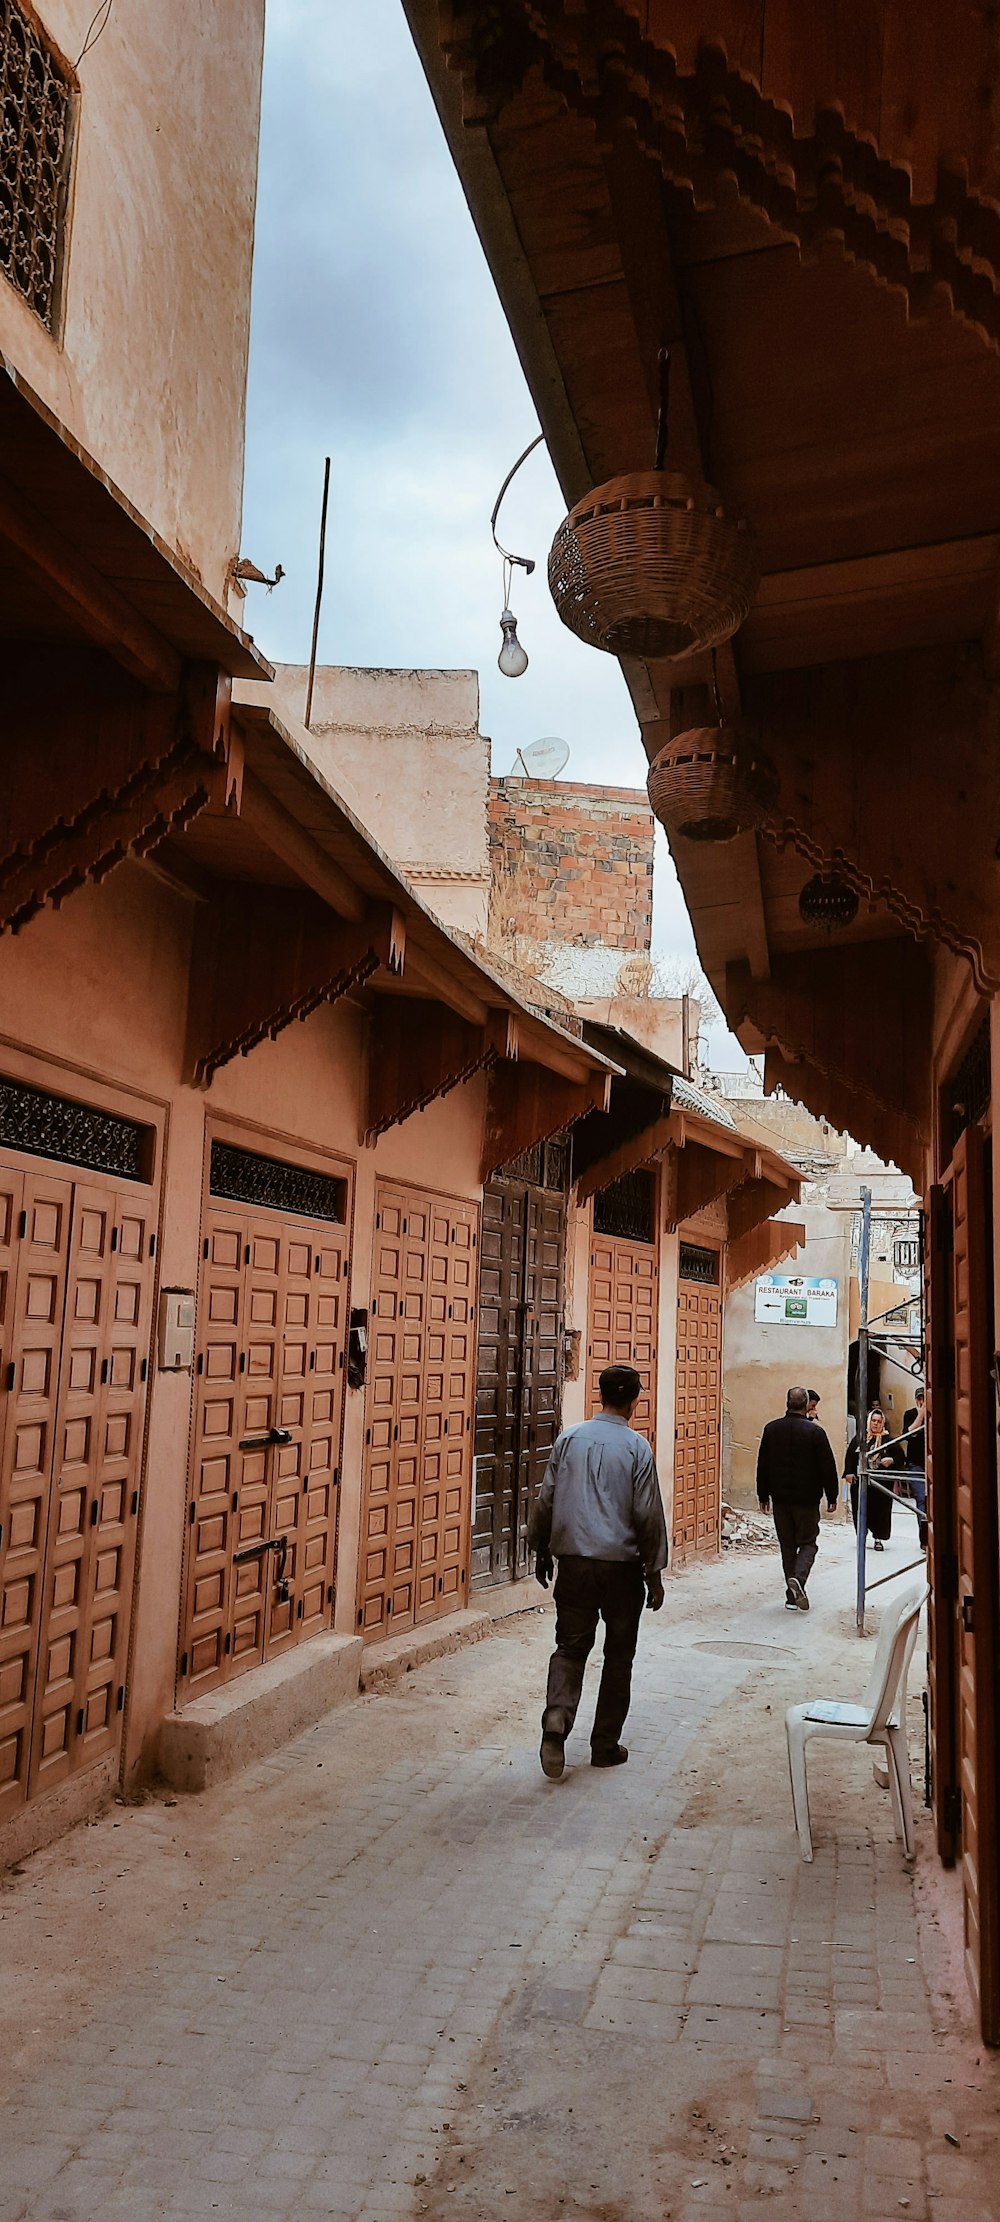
(35,134)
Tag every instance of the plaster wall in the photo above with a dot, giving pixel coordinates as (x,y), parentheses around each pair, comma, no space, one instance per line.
(95,998)
(148,369)
(761,1363)
(405,751)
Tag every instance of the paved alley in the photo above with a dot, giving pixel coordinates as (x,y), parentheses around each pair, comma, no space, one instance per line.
(394,1972)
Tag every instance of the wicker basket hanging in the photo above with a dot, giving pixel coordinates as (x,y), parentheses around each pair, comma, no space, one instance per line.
(708,785)
(649,565)
(828,901)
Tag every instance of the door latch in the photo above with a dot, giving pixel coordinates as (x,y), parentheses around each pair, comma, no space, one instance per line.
(263,1442)
(969,1615)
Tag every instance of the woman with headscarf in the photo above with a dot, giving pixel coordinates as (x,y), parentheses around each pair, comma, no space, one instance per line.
(882,1464)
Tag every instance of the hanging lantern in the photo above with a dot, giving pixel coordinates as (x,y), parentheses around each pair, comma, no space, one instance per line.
(829,901)
(652,564)
(708,785)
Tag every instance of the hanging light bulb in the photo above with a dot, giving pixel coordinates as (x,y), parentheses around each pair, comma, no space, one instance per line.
(512,659)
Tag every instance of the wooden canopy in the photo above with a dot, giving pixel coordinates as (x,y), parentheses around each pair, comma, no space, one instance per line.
(801,203)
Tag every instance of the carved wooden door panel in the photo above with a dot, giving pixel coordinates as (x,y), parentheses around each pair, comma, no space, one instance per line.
(942,1556)
(622,1321)
(77,1273)
(542,1365)
(974,1461)
(499,1367)
(94,1506)
(35,1221)
(415,1498)
(268,1408)
(697,1425)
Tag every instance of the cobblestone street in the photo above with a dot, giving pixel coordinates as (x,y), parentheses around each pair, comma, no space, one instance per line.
(393,1971)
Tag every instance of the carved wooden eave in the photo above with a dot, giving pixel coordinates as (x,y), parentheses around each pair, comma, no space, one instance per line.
(265,956)
(719,141)
(527,1103)
(833,1097)
(756,1200)
(627,1157)
(419,1051)
(847,740)
(760,1249)
(113,777)
(704,1173)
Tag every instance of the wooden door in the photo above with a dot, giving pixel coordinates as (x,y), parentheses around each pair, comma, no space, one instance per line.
(698,1417)
(974,1466)
(519,1378)
(77,1279)
(268,1409)
(413,1562)
(36,1218)
(499,1369)
(542,1365)
(622,1322)
(942,1555)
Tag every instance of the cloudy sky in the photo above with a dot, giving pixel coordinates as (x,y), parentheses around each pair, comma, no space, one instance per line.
(378,339)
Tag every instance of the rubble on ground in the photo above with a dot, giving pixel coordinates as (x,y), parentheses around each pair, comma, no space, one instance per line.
(745,1531)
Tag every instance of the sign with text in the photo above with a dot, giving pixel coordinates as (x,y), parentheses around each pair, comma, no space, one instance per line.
(790,1299)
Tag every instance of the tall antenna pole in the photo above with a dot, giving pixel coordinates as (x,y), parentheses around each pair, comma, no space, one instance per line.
(319,591)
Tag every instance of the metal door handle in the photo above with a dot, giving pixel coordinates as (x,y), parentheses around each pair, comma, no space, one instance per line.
(257,1550)
(263,1442)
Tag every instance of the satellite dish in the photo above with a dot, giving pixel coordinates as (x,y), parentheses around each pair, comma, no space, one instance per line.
(544,759)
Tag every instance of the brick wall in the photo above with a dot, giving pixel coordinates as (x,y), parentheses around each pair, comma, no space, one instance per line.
(572,863)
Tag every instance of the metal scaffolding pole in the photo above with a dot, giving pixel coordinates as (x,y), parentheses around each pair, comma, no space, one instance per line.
(868,1341)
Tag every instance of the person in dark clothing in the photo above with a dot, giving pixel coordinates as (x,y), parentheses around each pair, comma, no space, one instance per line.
(915,1446)
(813,1402)
(600,1513)
(795,1469)
(884,1460)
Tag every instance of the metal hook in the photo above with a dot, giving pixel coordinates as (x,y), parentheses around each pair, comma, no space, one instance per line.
(526,563)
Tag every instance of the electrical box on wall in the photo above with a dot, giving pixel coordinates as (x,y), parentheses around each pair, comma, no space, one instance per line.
(175,1341)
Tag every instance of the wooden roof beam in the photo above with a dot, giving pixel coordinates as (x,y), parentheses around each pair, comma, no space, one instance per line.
(85,596)
(264,956)
(303,855)
(640,1149)
(418,1052)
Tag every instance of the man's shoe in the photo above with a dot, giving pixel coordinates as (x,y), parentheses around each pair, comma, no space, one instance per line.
(616,1757)
(552,1754)
(789,1599)
(798,1595)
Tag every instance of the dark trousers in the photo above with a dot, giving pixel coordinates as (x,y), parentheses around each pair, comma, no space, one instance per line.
(797,1529)
(588,1590)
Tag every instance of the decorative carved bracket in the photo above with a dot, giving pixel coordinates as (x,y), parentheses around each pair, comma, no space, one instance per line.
(267,955)
(640,1149)
(753,1202)
(861,1012)
(527,1103)
(829,1096)
(419,1051)
(109,776)
(761,1249)
(703,1175)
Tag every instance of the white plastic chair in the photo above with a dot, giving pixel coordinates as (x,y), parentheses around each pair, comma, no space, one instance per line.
(880,1719)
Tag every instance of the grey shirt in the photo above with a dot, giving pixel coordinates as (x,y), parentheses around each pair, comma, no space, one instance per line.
(600,1497)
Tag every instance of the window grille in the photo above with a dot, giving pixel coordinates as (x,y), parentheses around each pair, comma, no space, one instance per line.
(51,1126)
(967,1096)
(243,1177)
(545,1165)
(697,1264)
(35,143)
(628,1208)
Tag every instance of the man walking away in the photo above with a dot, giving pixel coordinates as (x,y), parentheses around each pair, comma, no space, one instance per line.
(600,1513)
(795,1466)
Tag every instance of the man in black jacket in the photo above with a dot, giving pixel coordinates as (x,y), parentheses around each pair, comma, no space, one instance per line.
(795,1467)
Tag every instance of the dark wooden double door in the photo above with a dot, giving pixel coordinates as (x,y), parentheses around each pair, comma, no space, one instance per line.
(964,1554)
(519,1375)
(76,1282)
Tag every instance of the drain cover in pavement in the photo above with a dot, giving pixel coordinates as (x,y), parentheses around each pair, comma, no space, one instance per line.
(746,1650)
